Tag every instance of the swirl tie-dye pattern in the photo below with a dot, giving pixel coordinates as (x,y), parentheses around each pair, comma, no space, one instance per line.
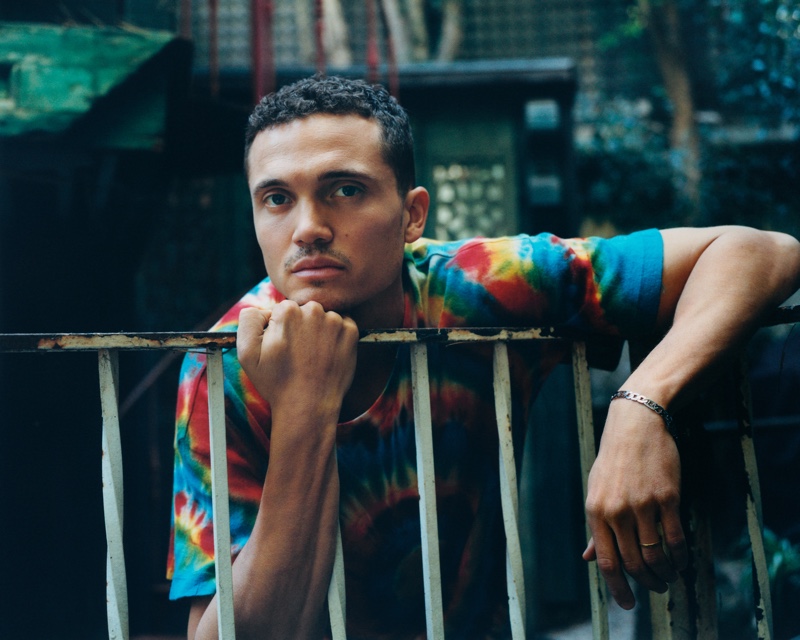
(606,286)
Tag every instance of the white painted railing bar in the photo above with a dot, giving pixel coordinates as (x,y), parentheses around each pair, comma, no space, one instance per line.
(336,595)
(586,443)
(755,521)
(219,495)
(515,583)
(431,570)
(116,581)
(685,611)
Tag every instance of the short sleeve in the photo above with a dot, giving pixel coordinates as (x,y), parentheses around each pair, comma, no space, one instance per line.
(610,286)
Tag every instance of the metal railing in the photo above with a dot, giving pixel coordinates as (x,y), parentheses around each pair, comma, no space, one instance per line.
(688,605)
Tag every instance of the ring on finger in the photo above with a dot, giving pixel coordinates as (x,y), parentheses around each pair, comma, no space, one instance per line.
(650,544)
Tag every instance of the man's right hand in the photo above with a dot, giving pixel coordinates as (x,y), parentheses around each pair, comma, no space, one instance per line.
(301,359)
(298,357)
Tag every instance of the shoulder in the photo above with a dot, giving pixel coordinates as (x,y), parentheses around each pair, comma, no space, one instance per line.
(192,375)
(264,296)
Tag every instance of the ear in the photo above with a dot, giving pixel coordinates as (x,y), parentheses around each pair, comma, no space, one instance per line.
(416,213)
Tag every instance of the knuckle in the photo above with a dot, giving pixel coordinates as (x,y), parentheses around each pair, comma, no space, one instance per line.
(608,566)
(350,325)
(676,544)
(592,507)
(668,498)
(653,555)
(634,568)
(334,319)
(609,511)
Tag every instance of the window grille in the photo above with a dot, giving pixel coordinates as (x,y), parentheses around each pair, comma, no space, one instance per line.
(471,200)
(492,30)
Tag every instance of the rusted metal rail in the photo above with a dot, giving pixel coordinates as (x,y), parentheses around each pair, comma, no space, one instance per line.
(45,342)
(48,342)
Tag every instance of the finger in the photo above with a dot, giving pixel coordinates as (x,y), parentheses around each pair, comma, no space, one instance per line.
(653,553)
(674,538)
(634,562)
(608,561)
(250,332)
(350,330)
(589,554)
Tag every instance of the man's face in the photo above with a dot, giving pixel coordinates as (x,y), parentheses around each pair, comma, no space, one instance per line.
(328,216)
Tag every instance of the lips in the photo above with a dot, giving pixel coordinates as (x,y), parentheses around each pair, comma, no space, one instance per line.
(317,267)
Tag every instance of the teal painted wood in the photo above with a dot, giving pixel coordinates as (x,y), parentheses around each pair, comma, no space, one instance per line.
(55,73)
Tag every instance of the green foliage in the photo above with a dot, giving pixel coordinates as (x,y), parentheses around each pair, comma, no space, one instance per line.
(755,46)
(624,169)
(631,28)
(759,57)
(783,567)
(625,176)
(753,185)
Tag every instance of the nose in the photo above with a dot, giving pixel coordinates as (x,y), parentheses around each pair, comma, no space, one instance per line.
(312,225)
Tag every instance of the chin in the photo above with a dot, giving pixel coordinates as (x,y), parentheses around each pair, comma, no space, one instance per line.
(328,302)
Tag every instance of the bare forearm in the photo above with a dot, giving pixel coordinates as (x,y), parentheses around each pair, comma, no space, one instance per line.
(281,576)
(301,359)
(737,276)
(717,283)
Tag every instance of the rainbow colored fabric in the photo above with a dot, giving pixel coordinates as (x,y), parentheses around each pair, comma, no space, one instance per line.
(609,286)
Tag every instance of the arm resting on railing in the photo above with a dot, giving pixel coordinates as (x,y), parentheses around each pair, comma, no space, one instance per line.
(301,360)
(717,284)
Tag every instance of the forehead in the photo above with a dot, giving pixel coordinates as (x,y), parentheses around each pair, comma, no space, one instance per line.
(317,140)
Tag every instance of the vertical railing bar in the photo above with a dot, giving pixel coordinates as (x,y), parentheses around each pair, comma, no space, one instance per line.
(583,407)
(755,522)
(336,594)
(515,583)
(219,495)
(116,580)
(434,617)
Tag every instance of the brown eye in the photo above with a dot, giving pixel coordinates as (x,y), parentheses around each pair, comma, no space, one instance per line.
(275,200)
(348,191)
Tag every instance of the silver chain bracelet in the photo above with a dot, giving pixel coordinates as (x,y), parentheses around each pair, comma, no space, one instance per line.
(650,404)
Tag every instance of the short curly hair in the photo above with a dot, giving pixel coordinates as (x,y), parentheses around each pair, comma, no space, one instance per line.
(335,95)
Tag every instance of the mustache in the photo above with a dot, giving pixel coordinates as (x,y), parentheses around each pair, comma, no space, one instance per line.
(306,251)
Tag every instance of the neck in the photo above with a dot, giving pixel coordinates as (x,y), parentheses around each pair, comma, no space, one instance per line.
(385,312)
(375,362)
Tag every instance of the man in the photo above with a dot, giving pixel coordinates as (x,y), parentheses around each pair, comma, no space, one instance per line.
(320,428)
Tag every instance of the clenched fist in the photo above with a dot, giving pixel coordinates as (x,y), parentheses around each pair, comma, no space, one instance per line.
(299,358)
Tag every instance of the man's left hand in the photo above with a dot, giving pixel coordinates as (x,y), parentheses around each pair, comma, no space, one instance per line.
(633,505)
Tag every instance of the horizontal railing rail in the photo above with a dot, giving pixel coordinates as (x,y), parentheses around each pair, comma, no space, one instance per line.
(670,612)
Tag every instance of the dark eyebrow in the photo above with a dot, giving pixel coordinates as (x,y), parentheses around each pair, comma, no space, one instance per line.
(266,184)
(345,175)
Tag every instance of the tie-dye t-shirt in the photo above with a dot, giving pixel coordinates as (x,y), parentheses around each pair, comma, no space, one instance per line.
(608,286)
